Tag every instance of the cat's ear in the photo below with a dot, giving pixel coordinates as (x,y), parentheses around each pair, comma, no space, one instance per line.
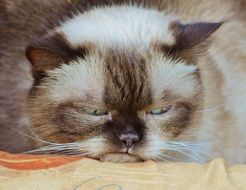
(191,38)
(49,53)
(43,59)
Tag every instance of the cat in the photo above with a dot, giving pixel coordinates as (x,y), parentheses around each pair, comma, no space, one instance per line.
(124,81)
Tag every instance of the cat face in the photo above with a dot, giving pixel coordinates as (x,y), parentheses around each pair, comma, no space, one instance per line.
(120,99)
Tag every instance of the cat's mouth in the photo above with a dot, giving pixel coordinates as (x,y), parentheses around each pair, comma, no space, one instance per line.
(120,157)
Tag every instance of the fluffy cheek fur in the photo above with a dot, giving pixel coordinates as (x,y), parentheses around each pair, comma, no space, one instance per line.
(59,130)
(163,132)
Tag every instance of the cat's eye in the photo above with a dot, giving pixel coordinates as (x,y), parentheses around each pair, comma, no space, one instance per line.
(159,111)
(98,112)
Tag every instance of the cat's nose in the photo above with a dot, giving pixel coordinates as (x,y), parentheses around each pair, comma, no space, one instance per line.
(129,139)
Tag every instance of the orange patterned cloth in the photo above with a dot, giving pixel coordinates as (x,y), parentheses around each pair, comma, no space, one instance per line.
(29,172)
(30,162)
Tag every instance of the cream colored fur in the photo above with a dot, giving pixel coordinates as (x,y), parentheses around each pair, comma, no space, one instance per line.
(122,26)
(224,77)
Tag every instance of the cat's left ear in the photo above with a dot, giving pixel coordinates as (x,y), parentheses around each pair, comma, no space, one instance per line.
(191,38)
(49,53)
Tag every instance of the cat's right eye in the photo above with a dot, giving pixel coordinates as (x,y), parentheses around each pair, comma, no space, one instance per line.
(96,112)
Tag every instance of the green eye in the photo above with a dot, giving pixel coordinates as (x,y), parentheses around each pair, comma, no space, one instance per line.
(97,112)
(159,111)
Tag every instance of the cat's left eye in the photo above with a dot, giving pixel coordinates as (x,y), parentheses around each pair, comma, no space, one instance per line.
(98,112)
(159,111)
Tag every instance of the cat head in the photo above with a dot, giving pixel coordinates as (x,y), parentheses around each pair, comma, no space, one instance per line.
(117,84)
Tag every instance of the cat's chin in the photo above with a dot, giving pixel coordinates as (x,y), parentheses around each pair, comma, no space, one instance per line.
(120,158)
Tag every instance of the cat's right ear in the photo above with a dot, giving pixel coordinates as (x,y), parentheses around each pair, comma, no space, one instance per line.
(49,53)
(43,59)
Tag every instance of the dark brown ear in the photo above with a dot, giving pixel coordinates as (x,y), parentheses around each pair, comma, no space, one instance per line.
(191,38)
(49,53)
(42,60)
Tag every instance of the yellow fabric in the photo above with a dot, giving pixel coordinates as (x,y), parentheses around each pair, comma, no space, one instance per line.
(87,174)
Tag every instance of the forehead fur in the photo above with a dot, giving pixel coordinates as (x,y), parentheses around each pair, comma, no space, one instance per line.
(123,77)
(79,79)
(173,76)
(118,26)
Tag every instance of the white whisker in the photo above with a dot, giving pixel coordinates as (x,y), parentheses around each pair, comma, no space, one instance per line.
(190,149)
(66,148)
(33,138)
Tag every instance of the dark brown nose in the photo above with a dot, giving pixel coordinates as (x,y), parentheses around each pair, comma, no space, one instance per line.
(129,139)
